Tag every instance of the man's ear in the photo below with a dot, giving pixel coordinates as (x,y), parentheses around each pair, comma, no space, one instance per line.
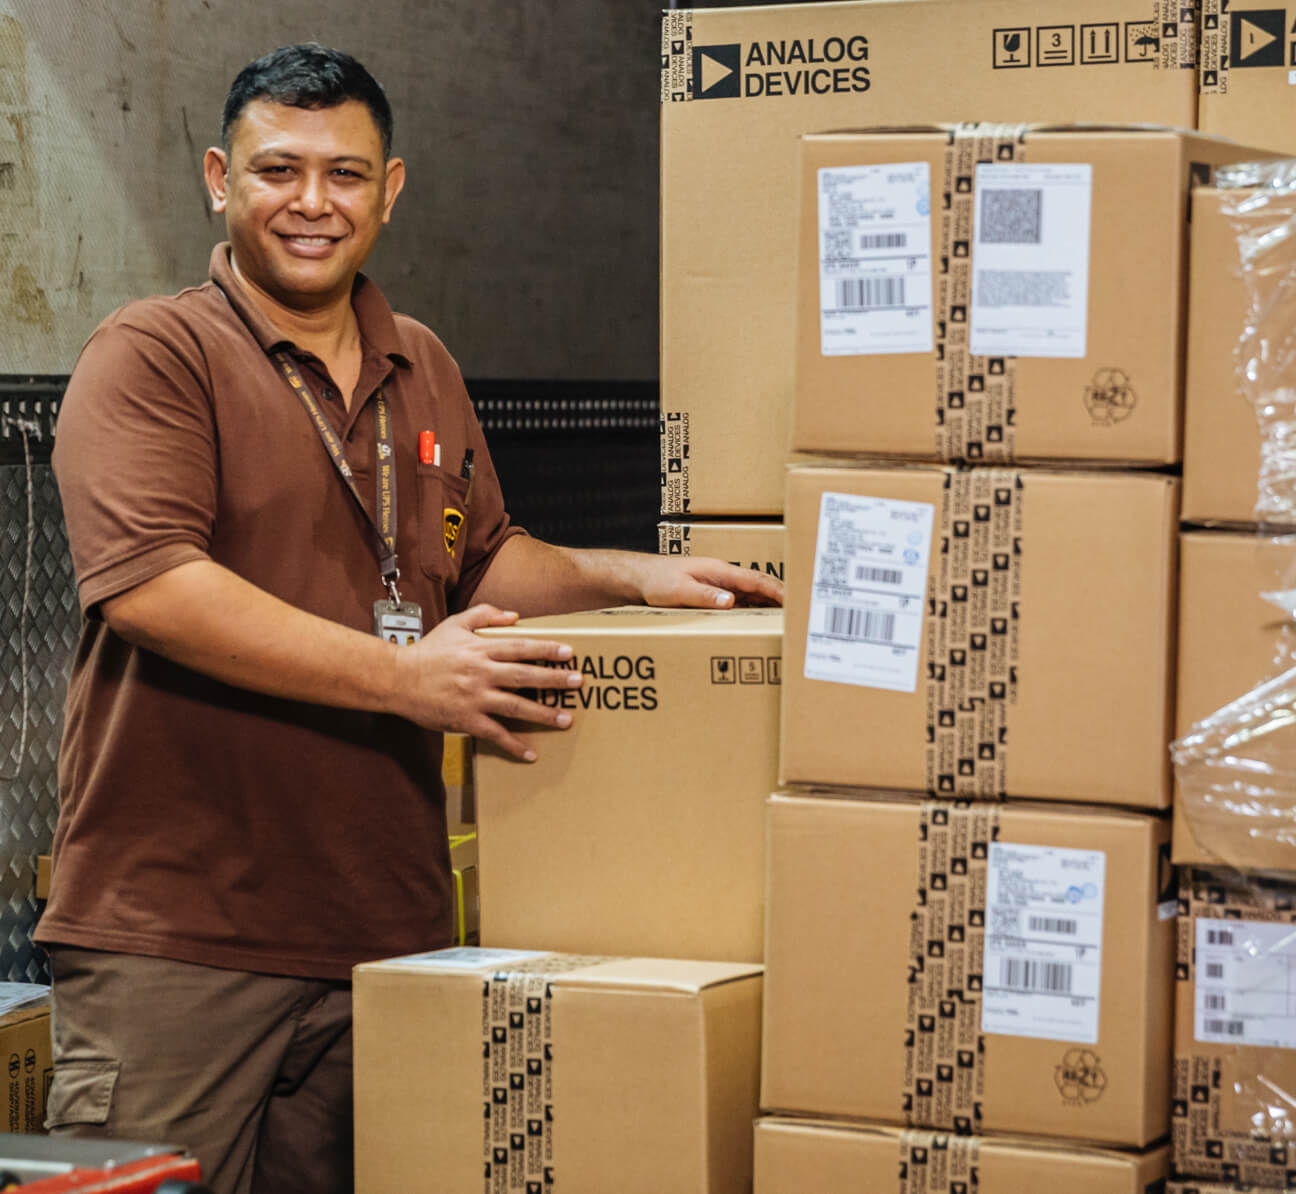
(216,175)
(393,183)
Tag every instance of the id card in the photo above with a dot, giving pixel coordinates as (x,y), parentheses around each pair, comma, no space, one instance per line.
(400,624)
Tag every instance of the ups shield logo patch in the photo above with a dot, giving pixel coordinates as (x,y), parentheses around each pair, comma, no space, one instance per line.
(453,523)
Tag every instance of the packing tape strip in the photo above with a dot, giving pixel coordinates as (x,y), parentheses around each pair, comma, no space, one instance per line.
(944,1047)
(975,396)
(517,1073)
(937,1163)
(973,600)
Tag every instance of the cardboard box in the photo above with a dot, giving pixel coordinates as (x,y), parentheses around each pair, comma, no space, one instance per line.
(1222,435)
(640,830)
(457,775)
(798,1156)
(1235,1048)
(1034,657)
(465,889)
(595,1073)
(740,85)
(986,967)
(1230,641)
(756,545)
(25,1044)
(1045,240)
(1247,61)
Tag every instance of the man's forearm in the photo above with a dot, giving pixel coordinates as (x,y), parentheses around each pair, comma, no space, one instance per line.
(533,577)
(208,618)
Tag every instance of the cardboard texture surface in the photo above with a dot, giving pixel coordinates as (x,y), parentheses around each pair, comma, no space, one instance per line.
(1230,641)
(740,86)
(1222,436)
(1042,645)
(810,1157)
(1234,1102)
(640,830)
(928,966)
(1247,58)
(1118,397)
(757,545)
(29,1068)
(593,1073)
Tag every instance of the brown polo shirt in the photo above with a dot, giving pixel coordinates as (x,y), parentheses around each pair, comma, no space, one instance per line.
(202,822)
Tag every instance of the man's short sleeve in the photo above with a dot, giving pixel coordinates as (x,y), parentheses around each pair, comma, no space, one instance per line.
(135,458)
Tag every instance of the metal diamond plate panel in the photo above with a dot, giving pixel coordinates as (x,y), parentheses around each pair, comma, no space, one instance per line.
(39,624)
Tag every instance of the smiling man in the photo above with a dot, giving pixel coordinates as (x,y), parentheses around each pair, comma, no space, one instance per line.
(286,530)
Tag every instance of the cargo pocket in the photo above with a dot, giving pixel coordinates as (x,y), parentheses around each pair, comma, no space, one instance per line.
(82,1093)
(443,523)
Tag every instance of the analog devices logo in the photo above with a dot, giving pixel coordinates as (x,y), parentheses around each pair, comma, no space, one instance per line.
(716,73)
(1257,37)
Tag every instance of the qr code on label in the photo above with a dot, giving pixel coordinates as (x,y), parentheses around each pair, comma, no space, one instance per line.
(1011,217)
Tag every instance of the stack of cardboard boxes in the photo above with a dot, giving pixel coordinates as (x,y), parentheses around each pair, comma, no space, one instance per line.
(1235,800)
(941,955)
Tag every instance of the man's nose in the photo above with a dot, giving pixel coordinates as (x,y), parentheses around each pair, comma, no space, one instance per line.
(312,198)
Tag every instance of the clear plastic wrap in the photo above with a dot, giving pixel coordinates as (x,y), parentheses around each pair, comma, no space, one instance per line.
(1236,768)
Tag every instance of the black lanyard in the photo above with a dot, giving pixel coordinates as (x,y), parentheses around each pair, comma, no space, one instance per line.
(384,528)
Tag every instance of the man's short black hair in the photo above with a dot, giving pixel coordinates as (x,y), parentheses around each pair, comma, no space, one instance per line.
(307,76)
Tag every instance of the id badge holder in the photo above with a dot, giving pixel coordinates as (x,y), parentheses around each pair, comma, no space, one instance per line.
(399,622)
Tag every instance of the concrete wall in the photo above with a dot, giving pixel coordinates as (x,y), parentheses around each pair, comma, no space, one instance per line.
(527,234)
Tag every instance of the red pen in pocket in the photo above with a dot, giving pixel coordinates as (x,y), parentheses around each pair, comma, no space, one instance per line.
(429,449)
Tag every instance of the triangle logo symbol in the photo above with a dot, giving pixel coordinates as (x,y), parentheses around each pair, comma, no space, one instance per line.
(713,70)
(1253,38)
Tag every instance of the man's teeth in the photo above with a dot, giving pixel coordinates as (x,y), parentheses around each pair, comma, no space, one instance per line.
(311,240)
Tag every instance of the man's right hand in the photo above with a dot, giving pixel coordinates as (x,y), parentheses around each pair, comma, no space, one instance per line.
(456,679)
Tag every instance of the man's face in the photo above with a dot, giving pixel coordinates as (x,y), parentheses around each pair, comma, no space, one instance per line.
(304,192)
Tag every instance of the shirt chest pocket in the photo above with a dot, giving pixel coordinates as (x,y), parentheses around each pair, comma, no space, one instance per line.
(443,523)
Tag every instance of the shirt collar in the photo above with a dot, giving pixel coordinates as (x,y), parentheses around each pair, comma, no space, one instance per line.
(373,312)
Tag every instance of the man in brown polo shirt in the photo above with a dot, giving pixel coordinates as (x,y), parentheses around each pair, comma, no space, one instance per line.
(262,477)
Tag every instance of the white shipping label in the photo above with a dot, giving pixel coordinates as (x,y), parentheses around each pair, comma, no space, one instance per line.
(1043,942)
(875,266)
(1245,983)
(468,957)
(869,593)
(1030,260)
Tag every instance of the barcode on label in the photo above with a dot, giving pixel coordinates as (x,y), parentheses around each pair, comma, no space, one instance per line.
(880,576)
(864,294)
(861,624)
(1053,924)
(1026,974)
(1224,1027)
(1011,216)
(883,240)
(1219,936)
(1214,969)
(1215,1002)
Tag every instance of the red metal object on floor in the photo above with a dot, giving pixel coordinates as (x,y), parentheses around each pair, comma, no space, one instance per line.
(132,1177)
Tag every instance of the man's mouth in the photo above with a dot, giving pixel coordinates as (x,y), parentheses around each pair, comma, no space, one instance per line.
(307,240)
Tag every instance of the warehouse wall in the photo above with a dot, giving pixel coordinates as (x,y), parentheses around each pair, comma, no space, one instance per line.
(527,236)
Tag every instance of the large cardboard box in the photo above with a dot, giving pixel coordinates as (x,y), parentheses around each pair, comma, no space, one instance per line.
(740,85)
(994,325)
(986,967)
(800,1156)
(1235,1029)
(457,775)
(1222,434)
(1247,60)
(1231,640)
(756,545)
(594,1074)
(982,632)
(26,1054)
(640,830)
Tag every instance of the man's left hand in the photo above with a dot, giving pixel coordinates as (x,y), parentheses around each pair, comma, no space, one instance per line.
(697,582)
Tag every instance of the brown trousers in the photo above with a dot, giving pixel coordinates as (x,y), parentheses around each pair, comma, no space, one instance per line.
(251,1072)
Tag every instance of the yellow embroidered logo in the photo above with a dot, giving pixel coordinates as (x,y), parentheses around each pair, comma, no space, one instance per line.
(453,521)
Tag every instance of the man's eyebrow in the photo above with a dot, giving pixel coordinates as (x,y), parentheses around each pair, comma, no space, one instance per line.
(288,155)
